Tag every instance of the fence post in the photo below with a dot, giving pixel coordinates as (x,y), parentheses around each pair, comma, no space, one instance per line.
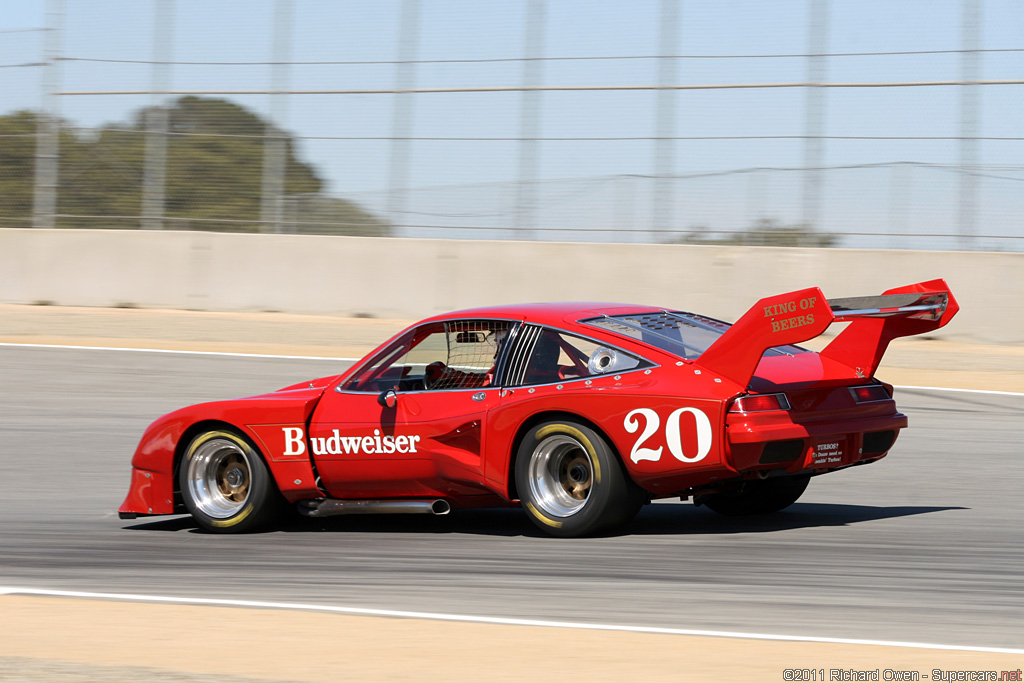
(275,146)
(817,67)
(402,116)
(529,121)
(44,209)
(663,205)
(969,71)
(157,118)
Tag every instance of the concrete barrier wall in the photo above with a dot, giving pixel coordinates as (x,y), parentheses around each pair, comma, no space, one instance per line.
(407,278)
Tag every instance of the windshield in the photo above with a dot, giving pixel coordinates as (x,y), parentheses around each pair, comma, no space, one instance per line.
(683,334)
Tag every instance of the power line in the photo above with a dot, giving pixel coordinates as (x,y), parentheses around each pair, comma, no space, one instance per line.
(500,60)
(551,88)
(623,138)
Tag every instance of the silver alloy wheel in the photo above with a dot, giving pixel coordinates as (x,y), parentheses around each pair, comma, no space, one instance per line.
(561,473)
(219,477)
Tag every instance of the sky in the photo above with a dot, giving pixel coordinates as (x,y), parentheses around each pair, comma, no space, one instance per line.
(242,30)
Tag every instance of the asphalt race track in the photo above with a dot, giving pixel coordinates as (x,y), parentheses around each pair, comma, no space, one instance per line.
(926,546)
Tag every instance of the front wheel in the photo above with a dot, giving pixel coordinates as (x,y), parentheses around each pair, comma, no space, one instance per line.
(570,481)
(758,497)
(225,485)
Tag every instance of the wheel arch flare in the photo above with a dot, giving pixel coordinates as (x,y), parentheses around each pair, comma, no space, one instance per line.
(533,421)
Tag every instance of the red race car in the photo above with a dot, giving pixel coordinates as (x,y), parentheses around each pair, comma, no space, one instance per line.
(579,412)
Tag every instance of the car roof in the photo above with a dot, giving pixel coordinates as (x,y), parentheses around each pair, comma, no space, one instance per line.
(553,313)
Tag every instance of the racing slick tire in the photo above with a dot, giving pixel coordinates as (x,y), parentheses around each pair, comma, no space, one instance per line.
(758,497)
(570,481)
(225,484)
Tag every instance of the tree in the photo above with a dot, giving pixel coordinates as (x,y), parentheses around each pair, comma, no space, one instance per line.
(17,147)
(214,174)
(18,135)
(323,214)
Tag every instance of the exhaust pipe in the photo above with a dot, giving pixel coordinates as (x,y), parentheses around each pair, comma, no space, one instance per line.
(329,507)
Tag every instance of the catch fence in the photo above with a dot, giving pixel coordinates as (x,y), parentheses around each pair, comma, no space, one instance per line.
(798,123)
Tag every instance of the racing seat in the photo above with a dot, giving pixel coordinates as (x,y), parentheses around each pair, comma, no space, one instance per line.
(543,366)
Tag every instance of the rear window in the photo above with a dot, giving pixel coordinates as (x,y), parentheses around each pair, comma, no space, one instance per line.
(683,334)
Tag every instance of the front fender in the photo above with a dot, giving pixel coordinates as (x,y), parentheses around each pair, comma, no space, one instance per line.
(151,491)
(152,486)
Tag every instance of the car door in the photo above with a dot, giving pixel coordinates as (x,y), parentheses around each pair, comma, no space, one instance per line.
(427,438)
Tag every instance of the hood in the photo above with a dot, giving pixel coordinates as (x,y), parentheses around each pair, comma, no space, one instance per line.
(318,385)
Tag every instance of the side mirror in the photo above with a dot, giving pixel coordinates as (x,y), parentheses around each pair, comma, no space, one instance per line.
(388,399)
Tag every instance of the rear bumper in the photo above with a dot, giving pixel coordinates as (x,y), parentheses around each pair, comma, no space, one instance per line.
(773,442)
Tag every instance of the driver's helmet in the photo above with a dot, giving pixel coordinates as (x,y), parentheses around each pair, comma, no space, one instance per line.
(498,338)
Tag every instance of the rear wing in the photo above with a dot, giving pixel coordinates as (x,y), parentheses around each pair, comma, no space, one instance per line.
(900,312)
(926,306)
(804,314)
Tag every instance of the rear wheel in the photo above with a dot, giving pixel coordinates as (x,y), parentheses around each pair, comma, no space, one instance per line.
(570,481)
(758,497)
(225,485)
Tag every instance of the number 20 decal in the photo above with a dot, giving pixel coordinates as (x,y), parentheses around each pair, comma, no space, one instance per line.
(672,436)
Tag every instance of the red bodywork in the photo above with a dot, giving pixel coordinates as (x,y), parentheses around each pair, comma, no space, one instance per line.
(675,422)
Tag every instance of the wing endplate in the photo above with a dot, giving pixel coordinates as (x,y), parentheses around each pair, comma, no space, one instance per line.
(773,321)
(913,309)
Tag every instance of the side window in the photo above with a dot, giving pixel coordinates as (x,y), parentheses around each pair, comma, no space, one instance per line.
(558,356)
(471,355)
(442,355)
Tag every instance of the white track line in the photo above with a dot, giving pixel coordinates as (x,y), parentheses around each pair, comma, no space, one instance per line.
(969,391)
(352,360)
(190,353)
(436,616)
